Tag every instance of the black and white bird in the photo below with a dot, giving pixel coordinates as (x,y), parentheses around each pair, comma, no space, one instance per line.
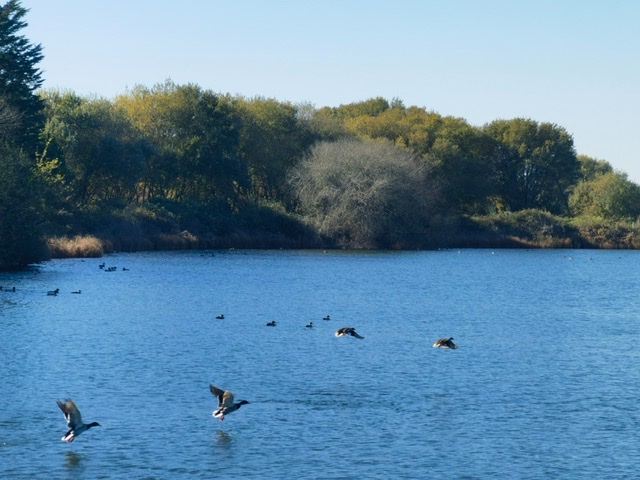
(446,342)
(344,331)
(74,420)
(226,405)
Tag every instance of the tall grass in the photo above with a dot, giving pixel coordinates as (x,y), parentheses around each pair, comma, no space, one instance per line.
(74,247)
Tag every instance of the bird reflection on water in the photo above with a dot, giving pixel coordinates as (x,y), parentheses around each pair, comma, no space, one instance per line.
(72,459)
(224,439)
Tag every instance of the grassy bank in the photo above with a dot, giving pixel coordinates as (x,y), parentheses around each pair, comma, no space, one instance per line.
(161,229)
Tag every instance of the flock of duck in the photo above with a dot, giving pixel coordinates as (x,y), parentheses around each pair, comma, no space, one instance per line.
(226,400)
(341,332)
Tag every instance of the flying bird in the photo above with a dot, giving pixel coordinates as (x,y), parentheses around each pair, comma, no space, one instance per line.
(344,331)
(74,420)
(445,343)
(226,404)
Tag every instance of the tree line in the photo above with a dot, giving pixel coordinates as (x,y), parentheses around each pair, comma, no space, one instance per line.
(185,162)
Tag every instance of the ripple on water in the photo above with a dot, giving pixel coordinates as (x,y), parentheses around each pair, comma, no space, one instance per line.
(533,391)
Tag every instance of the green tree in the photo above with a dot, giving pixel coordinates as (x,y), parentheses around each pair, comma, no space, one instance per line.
(534,164)
(457,151)
(590,167)
(336,123)
(195,137)
(608,196)
(96,149)
(21,203)
(19,75)
(10,121)
(372,107)
(459,154)
(273,139)
(366,195)
(21,211)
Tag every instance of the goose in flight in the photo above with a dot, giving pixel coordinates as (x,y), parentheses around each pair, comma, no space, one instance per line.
(226,404)
(344,331)
(74,420)
(445,342)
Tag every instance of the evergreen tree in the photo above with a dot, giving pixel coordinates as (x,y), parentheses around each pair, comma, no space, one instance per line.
(20,121)
(19,75)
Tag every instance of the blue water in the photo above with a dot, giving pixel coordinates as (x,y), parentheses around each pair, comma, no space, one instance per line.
(545,382)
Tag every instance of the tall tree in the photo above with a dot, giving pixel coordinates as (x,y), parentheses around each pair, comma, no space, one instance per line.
(20,76)
(534,164)
(100,154)
(20,211)
(194,133)
(273,139)
(21,203)
(459,156)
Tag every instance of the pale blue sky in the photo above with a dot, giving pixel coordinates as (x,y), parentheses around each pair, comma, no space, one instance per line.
(575,63)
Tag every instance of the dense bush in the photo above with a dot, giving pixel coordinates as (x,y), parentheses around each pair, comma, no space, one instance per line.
(366,195)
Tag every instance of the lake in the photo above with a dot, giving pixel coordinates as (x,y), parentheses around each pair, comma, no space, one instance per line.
(544,383)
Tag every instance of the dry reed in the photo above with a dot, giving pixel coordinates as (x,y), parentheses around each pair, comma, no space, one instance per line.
(75,247)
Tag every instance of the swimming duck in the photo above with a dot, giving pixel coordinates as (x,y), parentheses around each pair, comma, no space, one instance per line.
(220,317)
(74,420)
(53,292)
(445,342)
(344,331)
(77,292)
(272,323)
(309,325)
(225,402)
(328,317)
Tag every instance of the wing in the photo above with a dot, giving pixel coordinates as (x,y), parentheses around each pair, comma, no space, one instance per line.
(227,399)
(218,393)
(355,334)
(71,413)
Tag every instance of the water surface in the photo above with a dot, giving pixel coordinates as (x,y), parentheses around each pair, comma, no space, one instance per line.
(544,384)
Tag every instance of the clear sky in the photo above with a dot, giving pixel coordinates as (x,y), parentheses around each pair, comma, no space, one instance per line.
(575,63)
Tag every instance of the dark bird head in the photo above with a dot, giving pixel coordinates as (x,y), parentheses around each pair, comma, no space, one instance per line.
(243,402)
(93,424)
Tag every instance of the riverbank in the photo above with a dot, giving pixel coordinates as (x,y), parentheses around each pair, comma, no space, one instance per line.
(526,229)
